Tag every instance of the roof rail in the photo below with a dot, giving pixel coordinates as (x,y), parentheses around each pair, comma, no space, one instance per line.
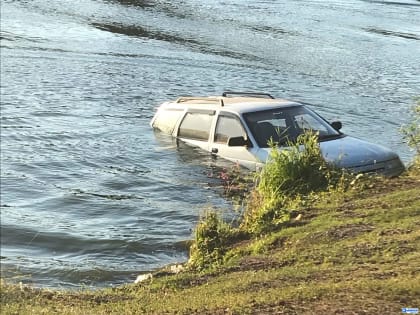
(197,98)
(254,94)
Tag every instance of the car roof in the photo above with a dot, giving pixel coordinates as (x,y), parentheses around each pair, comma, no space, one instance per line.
(237,104)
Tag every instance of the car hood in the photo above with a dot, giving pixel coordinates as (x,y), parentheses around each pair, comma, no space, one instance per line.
(352,152)
(348,152)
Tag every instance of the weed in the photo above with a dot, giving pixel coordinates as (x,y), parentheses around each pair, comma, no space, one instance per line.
(289,177)
(299,169)
(411,134)
(211,241)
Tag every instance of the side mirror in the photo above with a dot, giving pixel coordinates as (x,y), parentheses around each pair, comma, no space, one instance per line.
(237,142)
(337,125)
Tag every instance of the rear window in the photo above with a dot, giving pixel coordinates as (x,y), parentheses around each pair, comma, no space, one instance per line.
(166,119)
(196,126)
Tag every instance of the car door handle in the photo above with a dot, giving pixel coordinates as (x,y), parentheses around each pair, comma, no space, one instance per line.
(214,150)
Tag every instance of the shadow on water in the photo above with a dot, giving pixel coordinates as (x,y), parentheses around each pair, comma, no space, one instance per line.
(392,33)
(195,45)
(269,30)
(135,3)
(394,3)
(141,32)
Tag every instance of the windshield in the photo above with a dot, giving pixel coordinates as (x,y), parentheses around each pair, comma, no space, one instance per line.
(286,124)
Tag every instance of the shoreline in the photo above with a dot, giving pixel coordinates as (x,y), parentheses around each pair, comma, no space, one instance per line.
(351,252)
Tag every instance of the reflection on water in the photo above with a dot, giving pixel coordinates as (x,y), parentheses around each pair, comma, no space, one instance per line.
(90,195)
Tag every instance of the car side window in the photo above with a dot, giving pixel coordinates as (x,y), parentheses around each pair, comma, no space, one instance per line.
(196,126)
(227,127)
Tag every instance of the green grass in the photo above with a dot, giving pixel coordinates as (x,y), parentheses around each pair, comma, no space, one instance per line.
(350,253)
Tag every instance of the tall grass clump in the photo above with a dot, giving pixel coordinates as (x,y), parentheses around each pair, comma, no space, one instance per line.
(297,170)
(212,237)
(411,134)
(288,174)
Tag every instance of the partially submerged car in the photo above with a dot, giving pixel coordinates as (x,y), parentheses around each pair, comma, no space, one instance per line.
(239,126)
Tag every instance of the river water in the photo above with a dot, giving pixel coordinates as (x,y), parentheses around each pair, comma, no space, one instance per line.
(90,196)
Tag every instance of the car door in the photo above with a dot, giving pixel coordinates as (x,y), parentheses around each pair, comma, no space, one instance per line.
(195,128)
(228,125)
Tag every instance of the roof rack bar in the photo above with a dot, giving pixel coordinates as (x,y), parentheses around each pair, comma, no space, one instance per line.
(197,98)
(255,94)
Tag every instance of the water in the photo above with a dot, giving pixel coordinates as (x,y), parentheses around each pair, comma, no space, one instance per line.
(90,196)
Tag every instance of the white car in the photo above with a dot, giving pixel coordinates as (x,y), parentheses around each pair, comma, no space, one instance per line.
(237,126)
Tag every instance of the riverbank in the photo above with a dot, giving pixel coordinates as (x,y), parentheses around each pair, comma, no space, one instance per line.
(353,252)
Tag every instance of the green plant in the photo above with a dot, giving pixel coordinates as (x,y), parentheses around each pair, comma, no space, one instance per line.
(411,132)
(299,169)
(211,240)
(288,174)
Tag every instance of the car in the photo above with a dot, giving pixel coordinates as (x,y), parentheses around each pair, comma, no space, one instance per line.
(238,126)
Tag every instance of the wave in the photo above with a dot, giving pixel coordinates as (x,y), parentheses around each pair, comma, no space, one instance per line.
(62,243)
(10,36)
